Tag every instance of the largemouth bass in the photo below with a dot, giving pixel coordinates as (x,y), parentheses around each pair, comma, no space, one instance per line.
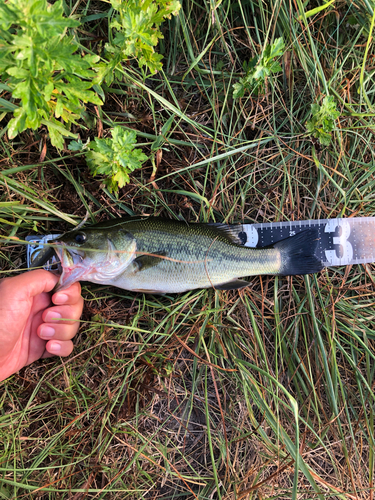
(154,255)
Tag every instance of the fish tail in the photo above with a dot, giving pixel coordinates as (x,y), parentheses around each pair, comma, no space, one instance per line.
(298,254)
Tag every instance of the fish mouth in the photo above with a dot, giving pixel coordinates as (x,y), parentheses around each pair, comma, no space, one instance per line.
(71,265)
(80,265)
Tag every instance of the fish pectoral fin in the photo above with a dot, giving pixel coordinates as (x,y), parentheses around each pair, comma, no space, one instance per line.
(148,260)
(233,285)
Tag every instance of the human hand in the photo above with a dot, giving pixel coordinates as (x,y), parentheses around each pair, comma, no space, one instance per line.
(29,324)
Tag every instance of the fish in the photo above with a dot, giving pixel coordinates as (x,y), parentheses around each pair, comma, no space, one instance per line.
(159,256)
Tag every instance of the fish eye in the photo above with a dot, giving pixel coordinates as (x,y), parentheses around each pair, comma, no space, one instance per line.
(80,238)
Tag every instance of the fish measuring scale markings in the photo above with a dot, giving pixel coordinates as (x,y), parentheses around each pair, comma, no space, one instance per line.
(165,256)
(341,241)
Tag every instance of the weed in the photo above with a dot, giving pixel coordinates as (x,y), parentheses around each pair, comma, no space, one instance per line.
(112,158)
(258,69)
(40,66)
(323,120)
(136,29)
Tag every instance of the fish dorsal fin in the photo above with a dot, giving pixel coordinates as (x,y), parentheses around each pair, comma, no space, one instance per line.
(233,233)
(146,261)
(232,285)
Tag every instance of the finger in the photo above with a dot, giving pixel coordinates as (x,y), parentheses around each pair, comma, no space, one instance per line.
(64,314)
(58,348)
(58,331)
(69,296)
(29,284)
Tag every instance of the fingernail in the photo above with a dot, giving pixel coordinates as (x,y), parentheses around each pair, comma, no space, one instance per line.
(54,347)
(47,332)
(61,298)
(51,316)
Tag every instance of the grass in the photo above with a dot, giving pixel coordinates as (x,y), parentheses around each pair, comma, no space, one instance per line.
(263,393)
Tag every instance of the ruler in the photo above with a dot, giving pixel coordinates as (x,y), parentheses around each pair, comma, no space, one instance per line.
(341,242)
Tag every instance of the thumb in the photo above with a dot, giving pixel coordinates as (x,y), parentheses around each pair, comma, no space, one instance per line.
(31,283)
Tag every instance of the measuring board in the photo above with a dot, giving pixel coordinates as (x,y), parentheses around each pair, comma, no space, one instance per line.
(341,242)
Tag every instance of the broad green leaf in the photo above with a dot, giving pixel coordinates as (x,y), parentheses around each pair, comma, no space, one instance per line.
(275,50)
(17,124)
(59,108)
(19,73)
(238,90)
(48,89)
(77,145)
(56,137)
